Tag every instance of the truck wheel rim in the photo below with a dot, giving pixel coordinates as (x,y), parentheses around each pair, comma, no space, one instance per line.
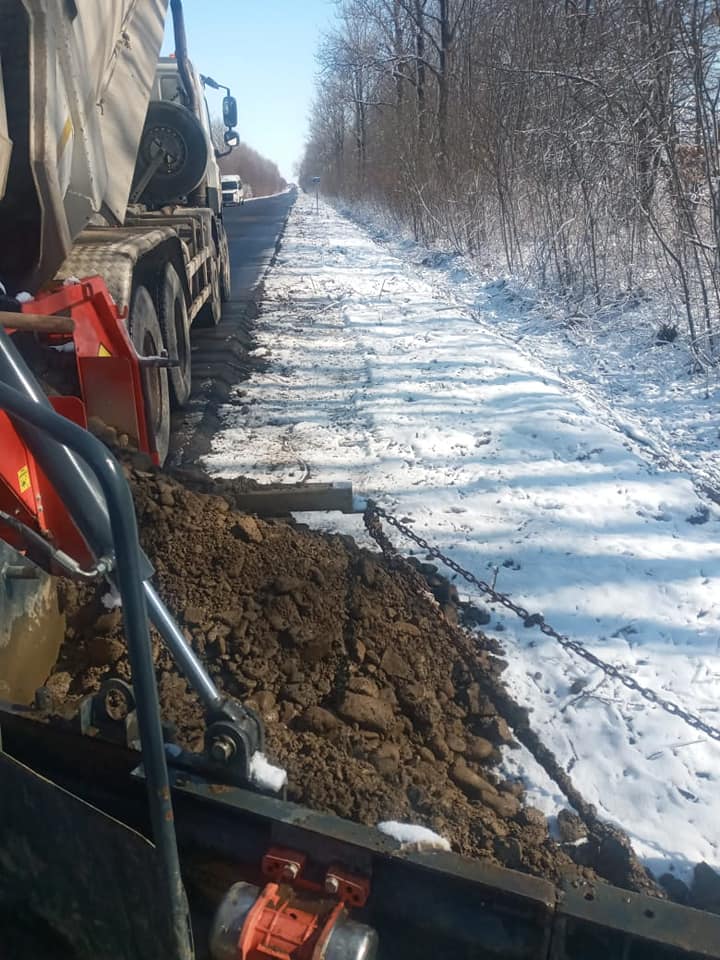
(152,384)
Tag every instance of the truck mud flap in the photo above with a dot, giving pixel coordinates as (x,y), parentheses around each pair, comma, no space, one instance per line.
(77,882)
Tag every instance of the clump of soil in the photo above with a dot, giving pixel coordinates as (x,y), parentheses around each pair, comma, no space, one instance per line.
(368,689)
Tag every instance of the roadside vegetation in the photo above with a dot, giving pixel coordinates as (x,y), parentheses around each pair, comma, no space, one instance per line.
(257,172)
(573,144)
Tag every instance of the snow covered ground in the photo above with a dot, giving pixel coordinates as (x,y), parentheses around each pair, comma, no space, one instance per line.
(532,476)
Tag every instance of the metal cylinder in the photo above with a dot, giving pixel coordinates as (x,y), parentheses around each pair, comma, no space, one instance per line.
(180,650)
(181,55)
(229,919)
(350,940)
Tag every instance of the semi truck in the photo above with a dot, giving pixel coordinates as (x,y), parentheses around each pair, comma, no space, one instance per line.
(233,190)
(116,844)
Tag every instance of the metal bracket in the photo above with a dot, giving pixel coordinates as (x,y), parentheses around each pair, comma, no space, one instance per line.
(233,735)
(111,710)
(284,865)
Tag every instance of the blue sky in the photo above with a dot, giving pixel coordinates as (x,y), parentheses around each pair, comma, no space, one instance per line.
(264,50)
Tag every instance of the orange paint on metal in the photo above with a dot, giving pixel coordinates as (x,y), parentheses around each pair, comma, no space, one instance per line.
(111,388)
(284,926)
(281,863)
(108,369)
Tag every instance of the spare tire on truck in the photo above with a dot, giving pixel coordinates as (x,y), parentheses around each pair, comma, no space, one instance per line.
(174,136)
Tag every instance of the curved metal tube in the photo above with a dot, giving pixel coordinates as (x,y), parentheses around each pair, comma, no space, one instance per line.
(130,583)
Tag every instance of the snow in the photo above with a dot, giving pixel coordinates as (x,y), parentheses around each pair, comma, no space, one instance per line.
(411,835)
(265,775)
(415,383)
(111,599)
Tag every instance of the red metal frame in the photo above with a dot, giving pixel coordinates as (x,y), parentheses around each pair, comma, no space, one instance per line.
(108,365)
(111,387)
(281,865)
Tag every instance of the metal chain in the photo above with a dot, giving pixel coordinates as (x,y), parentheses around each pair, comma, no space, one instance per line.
(537,620)
(515,716)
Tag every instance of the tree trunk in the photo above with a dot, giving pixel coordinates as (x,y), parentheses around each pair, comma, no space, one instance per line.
(420,66)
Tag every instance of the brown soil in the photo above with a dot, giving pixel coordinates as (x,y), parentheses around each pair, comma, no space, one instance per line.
(368,689)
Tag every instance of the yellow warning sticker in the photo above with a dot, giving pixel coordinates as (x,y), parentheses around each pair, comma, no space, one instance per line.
(24,479)
(103,351)
(64,136)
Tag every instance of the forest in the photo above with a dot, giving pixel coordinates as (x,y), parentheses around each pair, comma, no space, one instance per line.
(255,170)
(573,143)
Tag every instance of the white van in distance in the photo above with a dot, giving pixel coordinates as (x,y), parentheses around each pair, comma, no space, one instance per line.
(232,190)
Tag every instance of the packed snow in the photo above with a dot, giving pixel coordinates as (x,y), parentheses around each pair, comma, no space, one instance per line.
(265,775)
(111,599)
(505,453)
(410,835)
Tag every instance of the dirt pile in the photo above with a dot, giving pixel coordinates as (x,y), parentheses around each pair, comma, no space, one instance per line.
(369,692)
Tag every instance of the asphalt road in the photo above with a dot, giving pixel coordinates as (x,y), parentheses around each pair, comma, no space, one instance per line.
(253,229)
(220,355)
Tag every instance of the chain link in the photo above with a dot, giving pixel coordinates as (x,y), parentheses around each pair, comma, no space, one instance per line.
(536,619)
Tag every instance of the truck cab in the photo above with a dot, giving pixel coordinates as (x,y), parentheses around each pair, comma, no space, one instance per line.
(233,191)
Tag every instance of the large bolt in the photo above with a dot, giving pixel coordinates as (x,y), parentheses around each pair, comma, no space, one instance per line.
(332,885)
(222,749)
(289,872)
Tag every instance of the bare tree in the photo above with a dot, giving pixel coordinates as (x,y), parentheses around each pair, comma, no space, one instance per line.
(577,140)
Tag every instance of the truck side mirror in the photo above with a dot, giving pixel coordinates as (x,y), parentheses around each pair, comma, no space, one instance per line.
(230,112)
(231,138)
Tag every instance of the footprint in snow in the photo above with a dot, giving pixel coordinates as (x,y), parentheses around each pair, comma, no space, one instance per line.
(700,515)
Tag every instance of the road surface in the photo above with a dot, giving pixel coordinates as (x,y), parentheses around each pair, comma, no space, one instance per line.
(253,230)
(220,355)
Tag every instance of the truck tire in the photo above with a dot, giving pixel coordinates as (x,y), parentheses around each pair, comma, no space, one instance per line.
(225,279)
(175,131)
(173,318)
(145,332)
(211,312)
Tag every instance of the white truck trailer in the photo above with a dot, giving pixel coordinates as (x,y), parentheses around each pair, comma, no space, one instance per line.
(108,171)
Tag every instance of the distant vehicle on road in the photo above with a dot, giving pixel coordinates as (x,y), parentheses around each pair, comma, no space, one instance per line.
(233,190)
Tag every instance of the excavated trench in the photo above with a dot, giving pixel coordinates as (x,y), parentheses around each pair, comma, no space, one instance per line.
(374,699)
